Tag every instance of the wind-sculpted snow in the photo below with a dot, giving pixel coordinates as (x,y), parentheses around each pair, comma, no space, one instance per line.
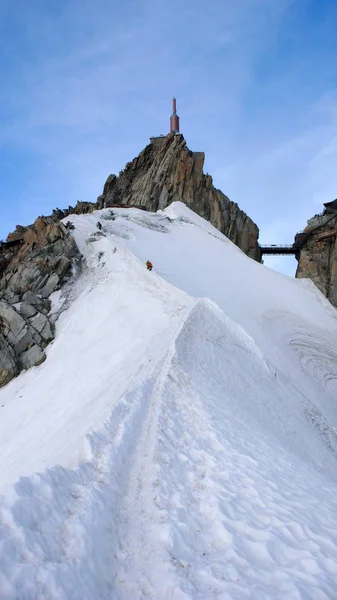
(175,444)
(318,359)
(313,351)
(238,525)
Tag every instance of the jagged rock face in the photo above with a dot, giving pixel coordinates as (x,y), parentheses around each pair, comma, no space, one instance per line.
(34,262)
(167,171)
(318,257)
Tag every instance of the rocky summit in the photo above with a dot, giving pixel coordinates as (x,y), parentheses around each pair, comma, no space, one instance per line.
(167,171)
(35,261)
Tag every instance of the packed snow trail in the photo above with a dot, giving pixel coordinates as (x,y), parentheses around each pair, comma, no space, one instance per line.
(113,334)
(209,465)
(225,510)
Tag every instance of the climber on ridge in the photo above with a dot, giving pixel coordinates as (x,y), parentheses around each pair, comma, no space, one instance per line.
(149,265)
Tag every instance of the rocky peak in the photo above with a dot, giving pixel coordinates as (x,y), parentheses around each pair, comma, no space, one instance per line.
(167,171)
(38,259)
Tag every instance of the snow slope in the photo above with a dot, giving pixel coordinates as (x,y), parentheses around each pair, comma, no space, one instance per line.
(180,440)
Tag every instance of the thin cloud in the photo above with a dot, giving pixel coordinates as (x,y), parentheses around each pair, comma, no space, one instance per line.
(92,85)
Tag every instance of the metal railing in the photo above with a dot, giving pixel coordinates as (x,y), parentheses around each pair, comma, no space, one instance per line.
(276,245)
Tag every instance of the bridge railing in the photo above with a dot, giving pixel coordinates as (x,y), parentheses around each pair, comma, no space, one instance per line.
(300,238)
(276,246)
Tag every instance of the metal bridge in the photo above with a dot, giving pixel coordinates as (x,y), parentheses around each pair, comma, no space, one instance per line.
(302,236)
(279,249)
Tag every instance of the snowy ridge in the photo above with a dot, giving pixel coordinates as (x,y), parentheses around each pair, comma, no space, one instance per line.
(140,543)
(196,429)
(69,511)
(227,528)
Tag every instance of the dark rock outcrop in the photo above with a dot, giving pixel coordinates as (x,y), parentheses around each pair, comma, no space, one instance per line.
(318,256)
(81,208)
(34,262)
(167,171)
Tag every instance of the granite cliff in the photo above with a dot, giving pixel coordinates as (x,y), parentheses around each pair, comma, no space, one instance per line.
(318,257)
(167,171)
(35,261)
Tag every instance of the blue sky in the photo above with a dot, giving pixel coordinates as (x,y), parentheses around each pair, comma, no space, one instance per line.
(85,84)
